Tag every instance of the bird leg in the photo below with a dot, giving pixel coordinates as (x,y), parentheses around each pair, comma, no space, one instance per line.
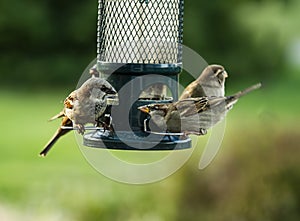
(169,137)
(105,122)
(202,131)
(80,128)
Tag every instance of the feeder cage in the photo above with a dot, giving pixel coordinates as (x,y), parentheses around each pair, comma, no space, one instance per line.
(139,50)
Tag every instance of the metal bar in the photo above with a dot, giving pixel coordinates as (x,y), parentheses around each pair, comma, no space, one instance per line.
(86,128)
(160,133)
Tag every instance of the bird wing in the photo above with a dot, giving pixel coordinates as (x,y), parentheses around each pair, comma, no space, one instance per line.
(192,106)
(230,100)
(194,89)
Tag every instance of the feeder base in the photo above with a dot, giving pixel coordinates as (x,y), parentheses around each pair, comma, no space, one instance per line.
(135,141)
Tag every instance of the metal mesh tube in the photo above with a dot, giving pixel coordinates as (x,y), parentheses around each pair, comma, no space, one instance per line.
(140,31)
(139,52)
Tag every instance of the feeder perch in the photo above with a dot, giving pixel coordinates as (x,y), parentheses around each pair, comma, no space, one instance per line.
(139,50)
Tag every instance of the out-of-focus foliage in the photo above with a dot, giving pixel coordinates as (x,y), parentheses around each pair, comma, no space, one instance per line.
(46,42)
(248,37)
(50,42)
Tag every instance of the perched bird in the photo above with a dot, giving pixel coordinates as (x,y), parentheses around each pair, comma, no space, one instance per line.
(211,82)
(191,115)
(85,105)
(90,102)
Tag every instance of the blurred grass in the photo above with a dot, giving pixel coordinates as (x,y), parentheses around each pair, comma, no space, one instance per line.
(63,183)
(254,176)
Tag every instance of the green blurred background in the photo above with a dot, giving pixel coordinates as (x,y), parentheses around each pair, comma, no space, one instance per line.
(45,46)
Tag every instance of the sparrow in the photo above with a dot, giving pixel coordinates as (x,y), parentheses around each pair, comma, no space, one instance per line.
(191,115)
(211,82)
(85,105)
(88,103)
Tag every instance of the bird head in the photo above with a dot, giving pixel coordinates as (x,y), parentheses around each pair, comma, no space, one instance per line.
(154,109)
(108,89)
(95,88)
(218,72)
(157,113)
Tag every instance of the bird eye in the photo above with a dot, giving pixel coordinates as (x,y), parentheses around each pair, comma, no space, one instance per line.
(220,72)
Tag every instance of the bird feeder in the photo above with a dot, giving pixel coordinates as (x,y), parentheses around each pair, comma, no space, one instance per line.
(139,51)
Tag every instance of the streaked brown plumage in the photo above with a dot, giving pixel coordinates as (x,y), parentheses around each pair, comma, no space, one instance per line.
(90,102)
(84,105)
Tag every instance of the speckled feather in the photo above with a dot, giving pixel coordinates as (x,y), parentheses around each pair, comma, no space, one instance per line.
(82,106)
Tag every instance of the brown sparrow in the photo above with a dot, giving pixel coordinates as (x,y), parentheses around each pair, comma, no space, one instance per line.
(85,105)
(211,82)
(88,103)
(191,115)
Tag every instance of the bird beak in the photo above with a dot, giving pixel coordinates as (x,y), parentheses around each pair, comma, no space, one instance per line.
(92,72)
(111,91)
(225,74)
(144,109)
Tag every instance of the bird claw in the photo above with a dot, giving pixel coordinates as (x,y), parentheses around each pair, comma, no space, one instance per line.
(80,128)
(202,131)
(106,124)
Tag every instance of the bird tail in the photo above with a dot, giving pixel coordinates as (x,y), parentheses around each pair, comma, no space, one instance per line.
(247,90)
(59,115)
(52,141)
(59,132)
(234,98)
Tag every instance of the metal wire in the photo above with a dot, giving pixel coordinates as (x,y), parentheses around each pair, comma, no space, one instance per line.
(76,128)
(160,133)
(140,31)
